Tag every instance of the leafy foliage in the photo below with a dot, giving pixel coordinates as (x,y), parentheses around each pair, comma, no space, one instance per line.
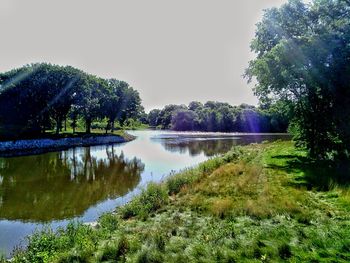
(35,96)
(218,116)
(303,61)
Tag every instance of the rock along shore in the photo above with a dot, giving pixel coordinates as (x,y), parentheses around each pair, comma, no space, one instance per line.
(33,146)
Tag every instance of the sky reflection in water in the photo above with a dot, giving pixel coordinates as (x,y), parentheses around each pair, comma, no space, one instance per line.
(84,182)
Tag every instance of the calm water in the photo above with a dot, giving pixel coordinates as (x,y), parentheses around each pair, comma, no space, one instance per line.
(81,183)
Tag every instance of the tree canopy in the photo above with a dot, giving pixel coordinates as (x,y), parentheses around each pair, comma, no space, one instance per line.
(37,97)
(219,117)
(303,61)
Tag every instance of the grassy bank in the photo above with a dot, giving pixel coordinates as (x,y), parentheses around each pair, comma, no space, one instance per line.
(68,134)
(258,203)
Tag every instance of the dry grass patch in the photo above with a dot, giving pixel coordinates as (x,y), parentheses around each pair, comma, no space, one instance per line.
(222,207)
(245,188)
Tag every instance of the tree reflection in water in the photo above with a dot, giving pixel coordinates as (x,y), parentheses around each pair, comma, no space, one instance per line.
(211,146)
(62,185)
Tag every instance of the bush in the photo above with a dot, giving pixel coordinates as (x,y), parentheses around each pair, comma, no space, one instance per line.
(41,246)
(109,222)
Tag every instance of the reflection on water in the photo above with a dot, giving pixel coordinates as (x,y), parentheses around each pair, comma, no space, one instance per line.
(84,182)
(211,144)
(61,185)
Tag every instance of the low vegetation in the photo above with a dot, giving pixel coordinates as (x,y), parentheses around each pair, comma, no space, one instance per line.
(257,203)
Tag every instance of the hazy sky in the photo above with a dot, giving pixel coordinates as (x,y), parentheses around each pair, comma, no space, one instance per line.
(170,51)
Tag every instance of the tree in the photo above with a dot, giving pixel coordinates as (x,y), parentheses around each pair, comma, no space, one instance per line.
(132,105)
(227,119)
(73,115)
(166,114)
(89,99)
(183,120)
(61,84)
(303,59)
(153,117)
(124,102)
(24,100)
(194,105)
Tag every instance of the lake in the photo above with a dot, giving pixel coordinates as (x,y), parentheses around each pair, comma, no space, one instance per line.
(50,189)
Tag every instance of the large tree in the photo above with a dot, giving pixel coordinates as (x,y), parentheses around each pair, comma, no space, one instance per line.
(303,60)
(90,97)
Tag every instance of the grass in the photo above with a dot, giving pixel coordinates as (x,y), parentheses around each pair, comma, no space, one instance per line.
(80,132)
(258,203)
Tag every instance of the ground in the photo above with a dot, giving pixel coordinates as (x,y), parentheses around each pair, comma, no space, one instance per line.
(258,203)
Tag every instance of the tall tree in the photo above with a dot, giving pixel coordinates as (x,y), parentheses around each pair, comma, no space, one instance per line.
(303,56)
(89,99)
(153,117)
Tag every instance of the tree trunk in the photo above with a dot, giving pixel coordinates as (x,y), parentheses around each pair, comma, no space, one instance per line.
(58,124)
(88,126)
(65,123)
(112,126)
(107,127)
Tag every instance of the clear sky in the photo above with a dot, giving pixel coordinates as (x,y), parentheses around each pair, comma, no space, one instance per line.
(170,51)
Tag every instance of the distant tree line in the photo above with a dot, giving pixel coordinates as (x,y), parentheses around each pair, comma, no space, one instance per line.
(219,117)
(40,97)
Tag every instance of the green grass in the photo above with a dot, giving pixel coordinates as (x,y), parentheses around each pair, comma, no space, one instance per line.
(69,134)
(258,203)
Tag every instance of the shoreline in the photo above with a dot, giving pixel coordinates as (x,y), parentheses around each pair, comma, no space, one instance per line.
(35,146)
(244,217)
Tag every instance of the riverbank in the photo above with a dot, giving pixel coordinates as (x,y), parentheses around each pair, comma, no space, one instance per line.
(258,203)
(39,145)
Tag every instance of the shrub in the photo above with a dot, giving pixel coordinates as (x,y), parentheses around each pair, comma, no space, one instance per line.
(109,222)
(41,246)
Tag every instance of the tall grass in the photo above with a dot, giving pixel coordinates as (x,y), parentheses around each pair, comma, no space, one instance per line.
(249,205)
(151,199)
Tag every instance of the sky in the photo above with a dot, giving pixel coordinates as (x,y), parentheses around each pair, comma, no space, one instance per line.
(172,52)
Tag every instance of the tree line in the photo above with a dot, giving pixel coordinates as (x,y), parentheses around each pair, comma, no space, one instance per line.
(219,117)
(40,97)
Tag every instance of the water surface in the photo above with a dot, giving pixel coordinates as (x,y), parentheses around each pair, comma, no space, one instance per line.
(81,183)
